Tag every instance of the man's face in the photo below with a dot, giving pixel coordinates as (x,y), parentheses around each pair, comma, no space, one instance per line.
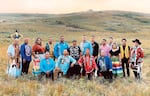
(47,55)
(123,42)
(103,42)
(65,52)
(84,38)
(111,40)
(136,44)
(102,53)
(16,41)
(92,38)
(87,51)
(74,43)
(62,39)
(26,41)
(50,41)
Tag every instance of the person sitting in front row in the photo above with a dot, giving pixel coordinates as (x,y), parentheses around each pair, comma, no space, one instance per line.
(64,63)
(87,62)
(47,66)
(105,66)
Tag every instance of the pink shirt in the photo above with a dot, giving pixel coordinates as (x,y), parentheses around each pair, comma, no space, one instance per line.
(106,49)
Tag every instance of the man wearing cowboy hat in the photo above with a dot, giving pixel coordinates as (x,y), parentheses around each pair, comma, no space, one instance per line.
(137,55)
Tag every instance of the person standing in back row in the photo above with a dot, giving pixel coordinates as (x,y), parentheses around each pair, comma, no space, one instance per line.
(116,61)
(75,52)
(60,47)
(105,47)
(95,48)
(86,45)
(125,55)
(26,53)
(110,42)
(50,48)
(137,55)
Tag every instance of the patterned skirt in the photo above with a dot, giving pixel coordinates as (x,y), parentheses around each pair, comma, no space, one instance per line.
(117,67)
(36,64)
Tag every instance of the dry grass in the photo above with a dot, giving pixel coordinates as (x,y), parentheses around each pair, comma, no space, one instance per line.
(29,86)
(26,86)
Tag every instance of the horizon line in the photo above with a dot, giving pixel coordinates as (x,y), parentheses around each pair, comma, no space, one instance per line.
(90,10)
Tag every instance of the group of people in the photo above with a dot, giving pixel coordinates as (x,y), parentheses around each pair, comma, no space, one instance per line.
(107,59)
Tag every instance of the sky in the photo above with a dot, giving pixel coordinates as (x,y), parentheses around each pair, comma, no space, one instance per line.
(69,6)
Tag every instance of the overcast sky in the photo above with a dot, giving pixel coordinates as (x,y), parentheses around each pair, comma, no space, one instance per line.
(67,6)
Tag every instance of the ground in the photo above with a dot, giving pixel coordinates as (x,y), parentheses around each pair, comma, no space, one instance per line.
(27,85)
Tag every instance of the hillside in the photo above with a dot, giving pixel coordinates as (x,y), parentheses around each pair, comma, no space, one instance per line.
(102,21)
(102,24)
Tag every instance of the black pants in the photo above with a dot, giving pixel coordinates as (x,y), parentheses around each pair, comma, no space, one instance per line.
(75,70)
(125,62)
(107,74)
(51,75)
(25,67)
(90,76)
(135,72)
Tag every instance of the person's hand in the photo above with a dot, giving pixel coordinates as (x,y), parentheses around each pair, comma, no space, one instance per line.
(128,61)
(47,73)
(24,60)
(95,57)
(80,65)
(57,69)
(95,74)
(71,65)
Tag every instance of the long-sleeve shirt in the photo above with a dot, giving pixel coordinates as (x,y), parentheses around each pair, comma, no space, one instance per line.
(86,45)
(26,52)
(106,49)
(64,63)
(89,63)
(104,63)
(47,65)
(95,49)
(13,51)
(137,54)
(38,49)
(59,48)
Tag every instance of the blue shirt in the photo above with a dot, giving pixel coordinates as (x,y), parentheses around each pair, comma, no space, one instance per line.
(107,61)
(86,45)
(59,48)
(47,65)
(64,63)
(26,52)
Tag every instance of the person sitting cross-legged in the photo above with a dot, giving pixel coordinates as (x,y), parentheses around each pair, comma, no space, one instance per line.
(47,66)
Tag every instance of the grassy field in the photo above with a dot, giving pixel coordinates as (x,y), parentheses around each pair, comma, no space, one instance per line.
(72,26)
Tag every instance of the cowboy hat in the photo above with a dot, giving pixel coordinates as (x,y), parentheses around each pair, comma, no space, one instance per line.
(137,41)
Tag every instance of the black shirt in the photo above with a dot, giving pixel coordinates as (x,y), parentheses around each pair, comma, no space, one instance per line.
(95,49)
(74,52)
(114,53)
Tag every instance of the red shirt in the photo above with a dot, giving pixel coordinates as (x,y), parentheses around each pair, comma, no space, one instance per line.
(38,49)
(89,63)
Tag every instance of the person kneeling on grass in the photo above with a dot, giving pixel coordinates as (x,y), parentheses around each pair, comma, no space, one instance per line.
(47,66)
(64,63)
(88,63)
(105,66)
